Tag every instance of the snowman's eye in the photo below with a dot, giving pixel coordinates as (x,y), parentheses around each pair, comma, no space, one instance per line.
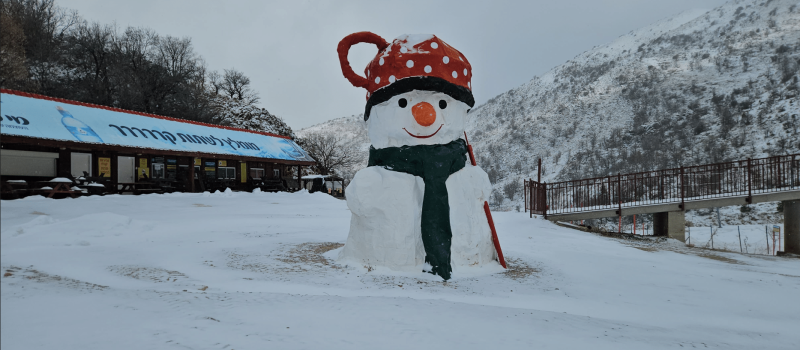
(402,102)
(442,104)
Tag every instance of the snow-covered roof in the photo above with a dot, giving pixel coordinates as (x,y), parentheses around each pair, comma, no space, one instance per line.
(43,117)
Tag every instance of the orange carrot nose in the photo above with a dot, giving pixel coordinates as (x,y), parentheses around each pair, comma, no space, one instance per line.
(424,113)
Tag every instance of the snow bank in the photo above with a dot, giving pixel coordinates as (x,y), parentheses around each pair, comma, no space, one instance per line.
(256,270)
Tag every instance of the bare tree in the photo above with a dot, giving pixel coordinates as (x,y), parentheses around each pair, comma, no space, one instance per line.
(330,152)
(13,72)
(90,52)
(215,82)
(237,85)
(44,26)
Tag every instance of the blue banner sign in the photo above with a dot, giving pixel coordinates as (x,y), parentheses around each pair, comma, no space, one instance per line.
(45,119)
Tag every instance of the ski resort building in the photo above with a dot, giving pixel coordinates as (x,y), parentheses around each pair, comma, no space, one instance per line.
(44,138)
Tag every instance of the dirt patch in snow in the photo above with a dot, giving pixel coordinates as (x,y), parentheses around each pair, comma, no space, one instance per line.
(310,253)
(31,274)
(153,274)
(299,258)
(518,269)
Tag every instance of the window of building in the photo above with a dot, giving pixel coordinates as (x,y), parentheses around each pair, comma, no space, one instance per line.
(257,173)
(226,173)
(276,173)
(158,171)
(172,169)
(210,169)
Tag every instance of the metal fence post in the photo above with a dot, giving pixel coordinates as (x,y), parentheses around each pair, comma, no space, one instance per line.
(544,199)
(539,168)
(530,197)
(683,186)
(525,193)
(749,199)
(619,194)
(792,183)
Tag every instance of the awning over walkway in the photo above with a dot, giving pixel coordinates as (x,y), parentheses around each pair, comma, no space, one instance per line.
(34,116)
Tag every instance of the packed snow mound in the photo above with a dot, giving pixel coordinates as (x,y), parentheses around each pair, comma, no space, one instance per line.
(138,272)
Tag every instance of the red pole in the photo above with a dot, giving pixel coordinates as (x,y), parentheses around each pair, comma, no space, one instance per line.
(496,241)
(469,148)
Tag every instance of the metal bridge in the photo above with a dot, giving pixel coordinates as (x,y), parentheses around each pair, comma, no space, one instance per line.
(668,193)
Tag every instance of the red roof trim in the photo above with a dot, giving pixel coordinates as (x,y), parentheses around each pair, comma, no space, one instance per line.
(78,103)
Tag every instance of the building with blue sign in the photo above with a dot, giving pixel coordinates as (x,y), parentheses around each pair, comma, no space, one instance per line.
(45,137)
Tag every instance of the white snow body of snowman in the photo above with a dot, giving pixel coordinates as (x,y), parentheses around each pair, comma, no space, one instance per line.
(419,205)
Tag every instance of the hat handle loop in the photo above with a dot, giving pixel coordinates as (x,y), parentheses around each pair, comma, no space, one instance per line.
(344,49)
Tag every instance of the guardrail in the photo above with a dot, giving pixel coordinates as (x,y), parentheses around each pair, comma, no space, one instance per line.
(729,179)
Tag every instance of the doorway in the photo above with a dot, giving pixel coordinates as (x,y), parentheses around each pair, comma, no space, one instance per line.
(81,164)
(126,169)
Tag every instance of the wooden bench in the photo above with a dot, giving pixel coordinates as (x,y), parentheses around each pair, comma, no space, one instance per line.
(138,188)
(59,186)
(273,185)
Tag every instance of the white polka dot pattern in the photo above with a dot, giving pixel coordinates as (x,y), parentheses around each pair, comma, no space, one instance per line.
(430,58)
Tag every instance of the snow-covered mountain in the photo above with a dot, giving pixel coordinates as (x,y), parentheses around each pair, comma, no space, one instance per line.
(696,88)
(703,86)
(353,133)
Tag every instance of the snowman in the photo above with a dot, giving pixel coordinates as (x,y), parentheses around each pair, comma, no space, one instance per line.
(419,205)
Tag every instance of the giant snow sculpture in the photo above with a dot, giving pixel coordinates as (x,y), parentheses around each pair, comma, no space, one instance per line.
(419,205)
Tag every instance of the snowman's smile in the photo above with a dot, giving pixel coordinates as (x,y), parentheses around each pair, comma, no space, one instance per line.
(426,136)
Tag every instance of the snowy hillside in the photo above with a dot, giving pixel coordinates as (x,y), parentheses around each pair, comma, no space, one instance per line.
(258,271)
(234,113)
(352,130)
(698,88)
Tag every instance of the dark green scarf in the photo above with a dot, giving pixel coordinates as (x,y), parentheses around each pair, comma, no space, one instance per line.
(434,164)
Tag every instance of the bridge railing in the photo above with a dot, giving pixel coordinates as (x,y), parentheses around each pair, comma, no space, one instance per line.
(730,179)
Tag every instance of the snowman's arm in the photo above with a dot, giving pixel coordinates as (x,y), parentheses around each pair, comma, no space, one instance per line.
(364,182)
(474,177)
(375,187)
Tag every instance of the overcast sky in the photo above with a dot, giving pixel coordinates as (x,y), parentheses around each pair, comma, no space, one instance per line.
(288,48)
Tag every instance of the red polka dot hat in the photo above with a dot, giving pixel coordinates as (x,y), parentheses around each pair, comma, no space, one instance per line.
(410,62)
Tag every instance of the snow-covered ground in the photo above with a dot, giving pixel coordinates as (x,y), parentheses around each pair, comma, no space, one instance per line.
(256,271)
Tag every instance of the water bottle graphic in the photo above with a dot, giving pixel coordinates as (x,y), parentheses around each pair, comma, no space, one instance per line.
(79,129)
